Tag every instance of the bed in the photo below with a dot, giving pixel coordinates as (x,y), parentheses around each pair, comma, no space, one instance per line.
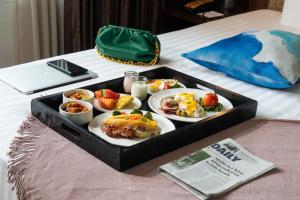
(272,104)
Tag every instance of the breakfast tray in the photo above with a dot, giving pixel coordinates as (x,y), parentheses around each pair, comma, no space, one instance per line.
(121,158)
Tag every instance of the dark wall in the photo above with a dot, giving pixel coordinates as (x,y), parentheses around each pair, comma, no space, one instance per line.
(83,18)
(258,4)
(142,14)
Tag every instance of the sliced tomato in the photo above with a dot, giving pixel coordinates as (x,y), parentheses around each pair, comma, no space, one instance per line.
(210,100)
(167,85)
(107,103)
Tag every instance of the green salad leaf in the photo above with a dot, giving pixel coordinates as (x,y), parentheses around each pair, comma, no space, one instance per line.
(176,85)
(216,108)
(116,113)
(136,111)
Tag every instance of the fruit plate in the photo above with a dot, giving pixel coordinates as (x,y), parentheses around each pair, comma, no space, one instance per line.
(121,158)
(164,124)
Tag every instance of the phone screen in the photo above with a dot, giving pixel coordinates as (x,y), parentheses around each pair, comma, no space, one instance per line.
(67,67)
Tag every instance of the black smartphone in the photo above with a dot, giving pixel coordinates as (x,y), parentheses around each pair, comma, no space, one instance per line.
(67,67)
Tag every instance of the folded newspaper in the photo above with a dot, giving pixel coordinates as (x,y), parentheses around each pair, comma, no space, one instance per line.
(215,169)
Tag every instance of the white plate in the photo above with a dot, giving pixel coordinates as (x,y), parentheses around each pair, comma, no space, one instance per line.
(164,124)
(149,91)
(136,104)
(155,100)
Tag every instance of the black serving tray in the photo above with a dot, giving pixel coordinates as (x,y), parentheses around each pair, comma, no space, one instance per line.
(121,158)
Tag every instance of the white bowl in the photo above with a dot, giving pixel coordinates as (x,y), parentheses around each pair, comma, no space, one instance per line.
(79,118)
(85,92)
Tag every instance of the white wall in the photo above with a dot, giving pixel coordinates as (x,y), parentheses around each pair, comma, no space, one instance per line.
(8,31)
(291,14)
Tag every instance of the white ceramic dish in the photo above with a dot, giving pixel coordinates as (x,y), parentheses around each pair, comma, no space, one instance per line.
(79,118)
(149,91)
(85,92)
(155,100)
(164,124)
(136,104)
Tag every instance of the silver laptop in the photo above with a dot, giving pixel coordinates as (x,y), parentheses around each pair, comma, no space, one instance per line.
(31,78)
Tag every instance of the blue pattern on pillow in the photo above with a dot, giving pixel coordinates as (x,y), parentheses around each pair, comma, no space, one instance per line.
(266,58)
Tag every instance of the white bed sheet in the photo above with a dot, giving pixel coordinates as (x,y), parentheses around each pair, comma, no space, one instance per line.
(272,104)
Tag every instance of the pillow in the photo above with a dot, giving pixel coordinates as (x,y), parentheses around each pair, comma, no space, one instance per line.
(265,58)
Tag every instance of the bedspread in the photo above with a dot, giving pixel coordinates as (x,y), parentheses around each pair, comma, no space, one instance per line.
(272,104)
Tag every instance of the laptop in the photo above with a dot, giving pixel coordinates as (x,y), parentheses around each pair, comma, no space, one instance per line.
(36,77)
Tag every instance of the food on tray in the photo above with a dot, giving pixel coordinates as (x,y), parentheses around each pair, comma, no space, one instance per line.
(74,107)
(117,112)
(107,102)
(78,96)
(148,115)
(169,105)
(186,96)
(155,85)
(130,126)
(124,101)
(109,99)
(190,108)
(186,104)
(210,102)
(170,84)
(162,84)
(136,111)
(182,104)
(107,93)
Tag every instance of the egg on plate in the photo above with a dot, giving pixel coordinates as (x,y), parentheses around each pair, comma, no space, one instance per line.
(190,108)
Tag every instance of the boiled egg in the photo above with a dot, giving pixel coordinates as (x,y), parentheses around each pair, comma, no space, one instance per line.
(186,96)
(191,108)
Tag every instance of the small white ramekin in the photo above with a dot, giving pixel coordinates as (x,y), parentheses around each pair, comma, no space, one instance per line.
(79,118)
(85,92)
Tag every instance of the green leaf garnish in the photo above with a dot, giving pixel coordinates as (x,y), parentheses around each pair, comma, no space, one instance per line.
(116,113)
(136,111)
(148,115)
(176,85)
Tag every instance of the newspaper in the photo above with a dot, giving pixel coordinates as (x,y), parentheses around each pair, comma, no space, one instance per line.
(215,169)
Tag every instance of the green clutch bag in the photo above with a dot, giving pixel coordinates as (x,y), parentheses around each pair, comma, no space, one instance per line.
(127,45)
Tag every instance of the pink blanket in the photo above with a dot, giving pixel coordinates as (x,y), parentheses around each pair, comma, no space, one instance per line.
(44,165)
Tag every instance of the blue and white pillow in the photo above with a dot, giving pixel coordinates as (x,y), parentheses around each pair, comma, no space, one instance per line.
(265,58)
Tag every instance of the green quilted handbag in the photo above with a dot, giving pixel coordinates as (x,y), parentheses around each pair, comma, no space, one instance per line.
(127,45)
